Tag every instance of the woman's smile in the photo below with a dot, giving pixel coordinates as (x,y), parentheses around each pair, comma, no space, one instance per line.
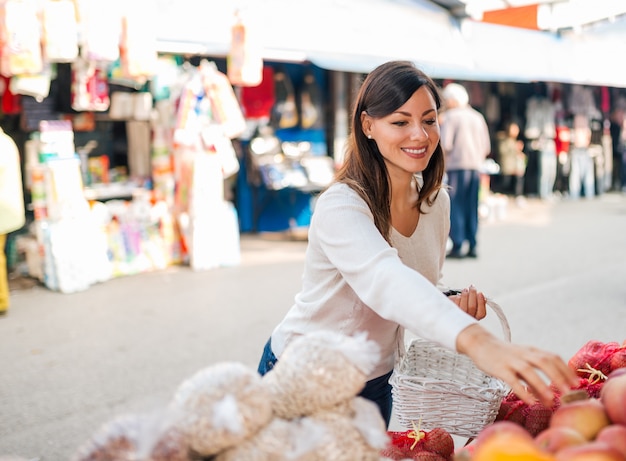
(414,152)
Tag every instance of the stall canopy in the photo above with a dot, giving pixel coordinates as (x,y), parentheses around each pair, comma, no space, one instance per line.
(345,35)
(501,53)
(358,35)
(598,50)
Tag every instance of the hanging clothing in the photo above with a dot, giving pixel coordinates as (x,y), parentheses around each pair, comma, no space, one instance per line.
(12,215)
(540,130)
(258,101)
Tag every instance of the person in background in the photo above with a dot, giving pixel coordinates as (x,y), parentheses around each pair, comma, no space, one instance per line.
(618,142)
(540,134)
(466,143)
(4,278)
(12,214)
(582,173)
(377,242)
(562,142)
(512,160)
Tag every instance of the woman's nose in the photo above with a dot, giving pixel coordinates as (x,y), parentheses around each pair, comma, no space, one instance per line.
(419,132)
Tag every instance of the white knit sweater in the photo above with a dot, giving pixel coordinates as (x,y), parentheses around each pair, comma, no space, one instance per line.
(354,281)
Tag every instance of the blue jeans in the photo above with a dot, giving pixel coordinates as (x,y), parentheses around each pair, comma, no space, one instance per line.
(547,173)
(582,174)
(464,188)
(378,390)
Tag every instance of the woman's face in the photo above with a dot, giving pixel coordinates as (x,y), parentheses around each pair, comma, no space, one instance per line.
(407,137)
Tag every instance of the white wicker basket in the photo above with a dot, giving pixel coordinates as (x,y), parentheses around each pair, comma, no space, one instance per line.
(436,387)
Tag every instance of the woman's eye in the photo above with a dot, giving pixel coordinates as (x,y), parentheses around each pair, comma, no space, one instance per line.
(400,123)
(432,121)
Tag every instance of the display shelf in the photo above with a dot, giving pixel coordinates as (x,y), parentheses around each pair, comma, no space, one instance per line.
(111,191)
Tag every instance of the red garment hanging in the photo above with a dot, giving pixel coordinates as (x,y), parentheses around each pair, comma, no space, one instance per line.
(257,101)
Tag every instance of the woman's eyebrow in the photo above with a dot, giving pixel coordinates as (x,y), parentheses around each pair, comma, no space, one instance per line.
(408,114)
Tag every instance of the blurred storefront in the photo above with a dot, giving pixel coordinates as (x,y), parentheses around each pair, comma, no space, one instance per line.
(149,146)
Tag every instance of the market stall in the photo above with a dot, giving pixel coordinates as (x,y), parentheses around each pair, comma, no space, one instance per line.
(135,159)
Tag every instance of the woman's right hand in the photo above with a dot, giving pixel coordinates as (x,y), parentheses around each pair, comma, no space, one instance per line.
(471,301)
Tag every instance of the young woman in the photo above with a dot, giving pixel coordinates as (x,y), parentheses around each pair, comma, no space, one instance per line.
(377,244)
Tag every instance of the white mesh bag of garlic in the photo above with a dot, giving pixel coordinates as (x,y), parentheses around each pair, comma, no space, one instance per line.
(319,370)
(275,442)
(366,418)
(135,437)
(328,435)
(220,406)
(312,438)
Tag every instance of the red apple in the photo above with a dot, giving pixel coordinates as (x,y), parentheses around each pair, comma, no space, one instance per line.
(614,435)
(504,428)
(506,440)
(556,438)
(585,416)
(591,451)
(613,396)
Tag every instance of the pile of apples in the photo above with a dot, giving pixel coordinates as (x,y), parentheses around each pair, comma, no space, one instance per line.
(589,429)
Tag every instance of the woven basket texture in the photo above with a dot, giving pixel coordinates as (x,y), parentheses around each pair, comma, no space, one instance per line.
(434,387)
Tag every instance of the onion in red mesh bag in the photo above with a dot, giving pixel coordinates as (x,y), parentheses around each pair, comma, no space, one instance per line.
(618,360)
(318,371)
(417,444)
(537,418)
(594,355)
(221,406)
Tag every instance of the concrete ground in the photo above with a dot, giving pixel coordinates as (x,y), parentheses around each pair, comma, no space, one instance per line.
(71,362)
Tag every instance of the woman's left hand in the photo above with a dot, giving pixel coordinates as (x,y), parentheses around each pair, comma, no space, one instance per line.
(523,368)
(471,301)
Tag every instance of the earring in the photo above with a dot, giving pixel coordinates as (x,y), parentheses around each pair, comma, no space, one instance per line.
(369,136)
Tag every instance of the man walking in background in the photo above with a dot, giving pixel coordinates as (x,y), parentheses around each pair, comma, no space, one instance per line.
(466,143)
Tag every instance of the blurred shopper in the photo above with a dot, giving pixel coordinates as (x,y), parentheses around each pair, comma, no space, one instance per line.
(540,131)
(512,160)
(618,140)
(12,215)
(582,173)
(466,143)
(562,141)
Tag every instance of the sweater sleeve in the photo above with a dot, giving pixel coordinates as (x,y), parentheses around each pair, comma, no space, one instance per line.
(347,235)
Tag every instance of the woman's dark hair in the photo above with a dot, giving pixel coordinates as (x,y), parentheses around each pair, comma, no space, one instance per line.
(383,91)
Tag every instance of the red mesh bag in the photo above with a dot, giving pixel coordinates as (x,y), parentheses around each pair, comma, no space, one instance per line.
(434,445)
(535,418)
(618,360)
(597,355)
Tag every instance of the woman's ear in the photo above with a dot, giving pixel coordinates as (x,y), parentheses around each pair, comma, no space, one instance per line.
(366,124)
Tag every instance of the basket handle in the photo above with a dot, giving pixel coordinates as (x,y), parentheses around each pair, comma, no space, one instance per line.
(495,307)
(504,323)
